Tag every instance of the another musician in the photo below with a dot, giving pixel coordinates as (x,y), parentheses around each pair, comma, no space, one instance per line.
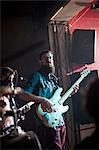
(44,83)
(8,109)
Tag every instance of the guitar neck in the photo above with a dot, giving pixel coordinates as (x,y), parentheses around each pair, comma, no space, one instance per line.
(70,91)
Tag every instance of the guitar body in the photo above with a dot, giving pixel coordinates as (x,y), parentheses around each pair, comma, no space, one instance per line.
(53,119)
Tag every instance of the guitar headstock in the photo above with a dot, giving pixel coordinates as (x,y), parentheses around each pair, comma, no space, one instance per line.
(84,72)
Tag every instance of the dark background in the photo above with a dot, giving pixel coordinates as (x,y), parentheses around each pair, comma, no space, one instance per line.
(24,32)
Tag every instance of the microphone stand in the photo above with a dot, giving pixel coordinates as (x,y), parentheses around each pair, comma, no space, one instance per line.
(14,107)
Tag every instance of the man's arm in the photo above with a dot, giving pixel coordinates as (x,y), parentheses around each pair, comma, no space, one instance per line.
(45,103)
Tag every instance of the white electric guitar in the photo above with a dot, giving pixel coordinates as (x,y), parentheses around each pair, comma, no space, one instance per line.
(52,119)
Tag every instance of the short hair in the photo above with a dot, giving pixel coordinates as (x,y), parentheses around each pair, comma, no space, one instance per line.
(43,53)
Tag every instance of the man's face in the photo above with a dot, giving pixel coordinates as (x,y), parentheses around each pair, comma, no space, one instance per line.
(47,62)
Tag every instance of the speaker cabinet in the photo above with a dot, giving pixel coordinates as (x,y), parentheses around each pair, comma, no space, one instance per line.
(83,46)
